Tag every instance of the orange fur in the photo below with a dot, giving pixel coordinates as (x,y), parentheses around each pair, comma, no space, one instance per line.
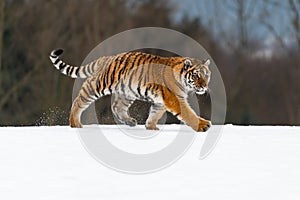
(165,81)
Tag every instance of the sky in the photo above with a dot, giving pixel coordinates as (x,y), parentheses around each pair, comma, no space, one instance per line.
(220,17)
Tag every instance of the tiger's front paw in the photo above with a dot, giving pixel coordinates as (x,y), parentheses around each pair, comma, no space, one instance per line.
(203,125)
(152,128)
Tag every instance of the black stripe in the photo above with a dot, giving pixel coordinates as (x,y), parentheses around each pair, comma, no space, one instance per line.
(146,91)
(71,71)
(150,68)
(62,66)
(84,99)
(106,73)
(163,94)
(185,76)
(174,64)
(117,85)
(119,59)
(182,76)
(79,105)
(93,66)
(156,88)
(68,70)
(76,71)
(91,89)
(139,57)
(105,76)
(86,92)
(140,75)
(121,71)
(88,86)
(132,66)
(130,82)
(122,87)
(146,58)
(176,115)
(103,88)
(102,75)
(157,107)
(112,78)
(89,69)
(181,97)
(53,56)
(84,72)
(98,87)
(119,64)
(136,57)
(140,81)
(56,61)
(182,70)
(139,91)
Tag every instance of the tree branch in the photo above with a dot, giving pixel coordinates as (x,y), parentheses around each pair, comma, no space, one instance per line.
(14,88)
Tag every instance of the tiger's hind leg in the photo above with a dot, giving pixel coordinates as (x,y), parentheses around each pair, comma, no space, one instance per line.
(156,112)
(120,108)
(85,97)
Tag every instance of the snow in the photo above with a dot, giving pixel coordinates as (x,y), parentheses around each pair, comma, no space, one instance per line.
(253,162)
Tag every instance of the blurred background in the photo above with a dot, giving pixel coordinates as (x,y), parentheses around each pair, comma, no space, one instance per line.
(255,44)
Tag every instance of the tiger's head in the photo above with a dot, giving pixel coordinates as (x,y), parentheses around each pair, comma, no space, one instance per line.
(197,75)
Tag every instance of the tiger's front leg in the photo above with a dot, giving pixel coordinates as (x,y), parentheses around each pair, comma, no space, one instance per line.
(190,118)
(182,110)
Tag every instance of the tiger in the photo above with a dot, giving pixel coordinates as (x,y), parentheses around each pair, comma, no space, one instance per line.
(163,81)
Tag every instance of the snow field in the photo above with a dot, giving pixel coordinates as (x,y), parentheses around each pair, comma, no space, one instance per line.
(255,162)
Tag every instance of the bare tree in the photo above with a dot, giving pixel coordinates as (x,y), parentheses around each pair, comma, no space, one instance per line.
(231,23)
(239,44)
(2,3)
(290,80)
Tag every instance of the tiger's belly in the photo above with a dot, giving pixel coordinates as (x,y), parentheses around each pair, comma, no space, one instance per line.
(139,93)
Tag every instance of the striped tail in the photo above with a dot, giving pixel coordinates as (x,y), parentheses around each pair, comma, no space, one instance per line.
(72,71)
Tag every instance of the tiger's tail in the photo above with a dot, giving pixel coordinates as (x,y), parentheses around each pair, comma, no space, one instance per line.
(69,70)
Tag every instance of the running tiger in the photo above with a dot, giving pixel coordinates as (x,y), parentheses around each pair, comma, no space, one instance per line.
(164,81)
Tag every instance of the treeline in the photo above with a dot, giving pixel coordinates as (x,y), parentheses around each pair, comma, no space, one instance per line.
(259,90)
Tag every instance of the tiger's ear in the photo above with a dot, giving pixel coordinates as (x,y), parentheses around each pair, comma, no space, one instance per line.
(187,63)
(207,62)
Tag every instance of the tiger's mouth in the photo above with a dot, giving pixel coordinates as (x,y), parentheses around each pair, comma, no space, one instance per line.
(201,90)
